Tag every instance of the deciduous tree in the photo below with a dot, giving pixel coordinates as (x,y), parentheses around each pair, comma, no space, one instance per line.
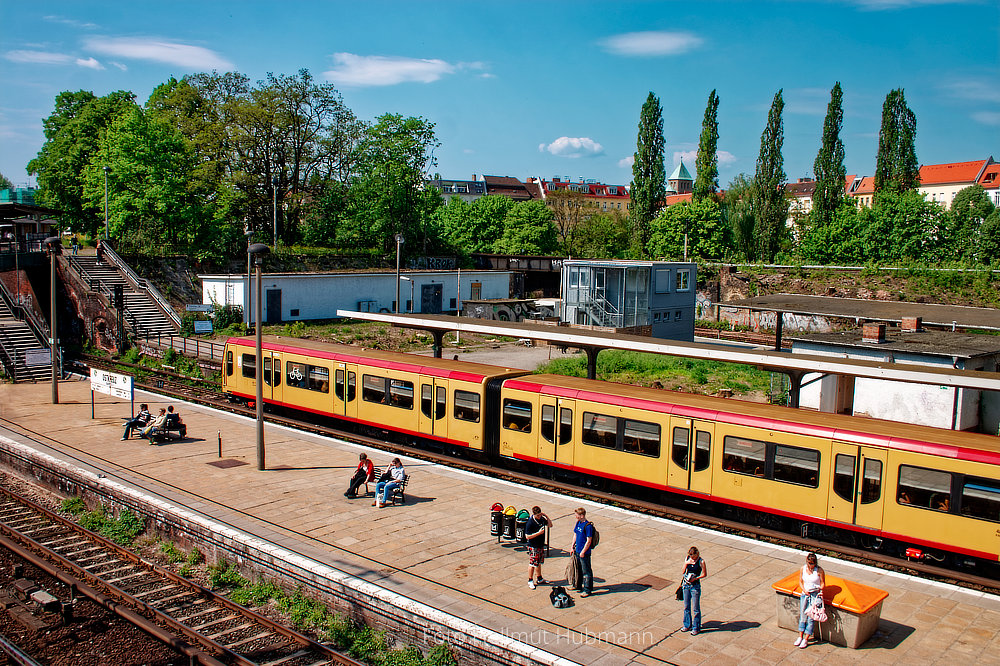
(706,164)
(770,208)
(528,229)
(896,168)
(648,172)
(829,163)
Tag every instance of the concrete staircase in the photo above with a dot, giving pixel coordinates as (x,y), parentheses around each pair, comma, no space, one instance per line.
(16,338)
(143,317)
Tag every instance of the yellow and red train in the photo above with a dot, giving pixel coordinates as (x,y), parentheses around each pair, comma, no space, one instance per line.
(915,490)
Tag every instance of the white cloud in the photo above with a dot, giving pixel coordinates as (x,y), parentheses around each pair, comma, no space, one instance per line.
(171,53)
(877,5)
(119,65)
(724,157)
(626,162)
(987,117)
(651,43)
(807,101)
(355,70)
(68,21)
(90,63)
(977,90)
(39,57)
(572,147)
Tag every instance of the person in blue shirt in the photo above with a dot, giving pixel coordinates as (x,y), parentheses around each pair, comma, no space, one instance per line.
(583,539)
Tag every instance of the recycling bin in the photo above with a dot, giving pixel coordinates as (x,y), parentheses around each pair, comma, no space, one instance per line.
(496,519)
(509,518)
(520,523)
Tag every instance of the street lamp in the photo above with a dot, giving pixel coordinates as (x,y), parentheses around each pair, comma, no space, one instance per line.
(399,245)
(247,293)
(258,250)
(106,170)
(274,189)
(54,245)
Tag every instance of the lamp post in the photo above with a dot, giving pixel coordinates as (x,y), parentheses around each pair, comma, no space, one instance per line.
(248,294)
(274,190)
(258,250)
(106,233)
(399,246)
(53,244)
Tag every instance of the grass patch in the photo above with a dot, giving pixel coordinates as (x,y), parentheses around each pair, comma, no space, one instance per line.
(73,506)
(359,641)
(172,553)
(122,530)
(685,374)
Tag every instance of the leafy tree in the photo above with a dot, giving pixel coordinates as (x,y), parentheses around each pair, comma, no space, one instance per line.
(528,229)
(898,227)
(706,164)
(5,183)
(601,236)
(475,227)
(738,218)
(989,238)
(964,222)
(648,173)
(770,207)
(73,132)
(569,209)
(829,164)
(838,240)
(896,168)
(390,163)
(699,222)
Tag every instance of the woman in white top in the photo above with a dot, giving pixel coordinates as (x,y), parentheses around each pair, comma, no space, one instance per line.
(812,580)
(391,479)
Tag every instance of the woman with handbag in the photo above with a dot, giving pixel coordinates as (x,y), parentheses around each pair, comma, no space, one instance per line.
(812,580)
(694,570)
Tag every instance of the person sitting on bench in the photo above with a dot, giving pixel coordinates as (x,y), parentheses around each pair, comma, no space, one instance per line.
(174,423)
(363,474)
(391,479)
(156,425)
(137,422)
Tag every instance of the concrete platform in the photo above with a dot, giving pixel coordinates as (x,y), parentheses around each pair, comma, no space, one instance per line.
(433,564)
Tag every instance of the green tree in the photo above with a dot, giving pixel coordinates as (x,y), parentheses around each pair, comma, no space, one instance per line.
(390,163)
(5,183)
(528,229)
(768,192)
(738,218)
(839,240)
(601,236)
(963,225)
(569,209)
(896,168)
(648,172)
(696,222)
(989,238)
(899,227)
(475,227)
(829,164)
(706,164)
(73,132)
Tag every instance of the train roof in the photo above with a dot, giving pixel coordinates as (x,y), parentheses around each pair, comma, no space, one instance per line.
(859,430)
(395,360)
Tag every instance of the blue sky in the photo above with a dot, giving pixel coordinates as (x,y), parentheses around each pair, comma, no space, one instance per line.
(543,88)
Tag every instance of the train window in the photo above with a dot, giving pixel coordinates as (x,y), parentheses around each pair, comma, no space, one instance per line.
(548,424)
(352,386)
(600,430)
(871,481)
(298,374)
(338,384)
(517,415)
(981,499)
(373,389)
(319,379)
(843,476)
(679,449)
(565,425)
(277,372)
(466,406)
(229,363)
(642,438)
(702,450)
(426,400)
(267,371)
(441,403)
(926,488)
(795,465)
(744,456)
(401,393)
(249,365)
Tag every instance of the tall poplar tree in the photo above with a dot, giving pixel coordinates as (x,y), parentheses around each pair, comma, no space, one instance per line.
(770,208)
(896,168)
(648,173)
(706,164)
(829,164)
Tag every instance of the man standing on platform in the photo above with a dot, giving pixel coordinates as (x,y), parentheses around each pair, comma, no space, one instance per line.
(584,539)
(534,532)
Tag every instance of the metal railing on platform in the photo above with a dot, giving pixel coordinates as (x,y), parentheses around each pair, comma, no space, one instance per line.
(188,346)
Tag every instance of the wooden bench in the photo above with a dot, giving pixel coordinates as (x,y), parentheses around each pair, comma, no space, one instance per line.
(853,610)
(398,495)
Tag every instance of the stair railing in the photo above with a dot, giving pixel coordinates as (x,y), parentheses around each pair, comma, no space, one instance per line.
(39,328)
(143,285)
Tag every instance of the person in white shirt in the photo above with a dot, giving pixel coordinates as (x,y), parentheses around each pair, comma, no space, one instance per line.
(391,479)
(812,580)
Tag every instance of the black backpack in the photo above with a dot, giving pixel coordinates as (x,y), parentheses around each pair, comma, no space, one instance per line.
(560,598)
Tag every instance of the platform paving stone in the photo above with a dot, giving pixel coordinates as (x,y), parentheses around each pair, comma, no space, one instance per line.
(437,548)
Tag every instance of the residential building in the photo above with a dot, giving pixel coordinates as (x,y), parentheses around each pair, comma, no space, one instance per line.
(941,182)
(990,181)
(602,196)
(466,190)
(799,194)
(509,187)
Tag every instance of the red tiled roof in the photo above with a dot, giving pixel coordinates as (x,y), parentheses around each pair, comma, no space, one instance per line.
(507,186)
(955,172)
(801,188)
(990,179)
(866,186)
(672,199)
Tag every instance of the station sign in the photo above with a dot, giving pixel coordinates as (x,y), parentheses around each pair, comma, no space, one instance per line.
(110,383)
(37,356)
(203,326)
(199,307)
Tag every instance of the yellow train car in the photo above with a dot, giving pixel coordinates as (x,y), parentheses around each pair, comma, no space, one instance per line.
(920,487)
(417,396)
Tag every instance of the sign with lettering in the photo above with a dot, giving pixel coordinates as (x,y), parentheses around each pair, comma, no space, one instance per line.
(199,307)
(202,327)
(109,383)
(37,356)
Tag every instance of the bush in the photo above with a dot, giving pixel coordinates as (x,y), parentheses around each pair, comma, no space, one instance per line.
(73,506)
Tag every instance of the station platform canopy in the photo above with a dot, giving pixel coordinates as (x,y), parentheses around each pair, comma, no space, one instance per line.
(863,310)
(592,342)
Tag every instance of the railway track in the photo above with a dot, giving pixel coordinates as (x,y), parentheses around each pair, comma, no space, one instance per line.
(693,517)
(205,626)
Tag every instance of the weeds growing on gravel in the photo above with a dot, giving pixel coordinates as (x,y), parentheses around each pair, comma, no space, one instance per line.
(122,530)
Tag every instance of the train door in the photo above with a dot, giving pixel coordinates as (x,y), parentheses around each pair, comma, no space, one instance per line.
(433,406)
(858,474)
(555,440)
(345,389)
(272,376)
(690,461)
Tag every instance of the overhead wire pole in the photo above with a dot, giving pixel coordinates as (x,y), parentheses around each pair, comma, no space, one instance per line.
(53,243)
(258,250)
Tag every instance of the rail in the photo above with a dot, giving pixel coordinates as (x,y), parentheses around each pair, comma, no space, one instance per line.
(188,346)
(27,315)
(143,285)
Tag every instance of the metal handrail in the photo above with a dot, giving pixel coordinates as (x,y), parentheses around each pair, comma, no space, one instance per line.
(142,284)
(39,328)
